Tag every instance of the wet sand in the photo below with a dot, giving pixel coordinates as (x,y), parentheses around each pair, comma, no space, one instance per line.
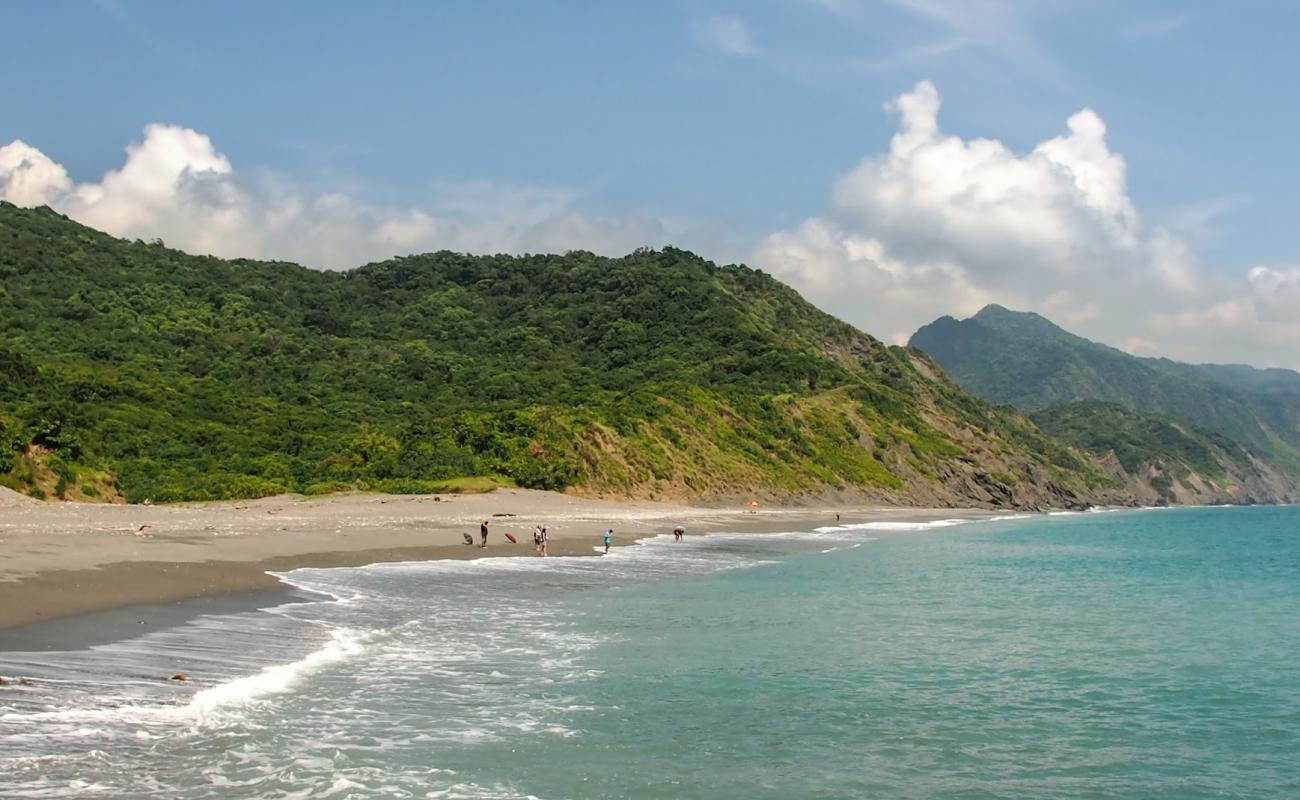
(63,559)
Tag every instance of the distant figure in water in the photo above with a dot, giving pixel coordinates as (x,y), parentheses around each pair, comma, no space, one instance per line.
(678,533)
(537,539)
(609,535)
(482,532)
(545,541)
(837,516)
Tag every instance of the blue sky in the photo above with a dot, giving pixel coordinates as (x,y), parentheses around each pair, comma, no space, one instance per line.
(737,129)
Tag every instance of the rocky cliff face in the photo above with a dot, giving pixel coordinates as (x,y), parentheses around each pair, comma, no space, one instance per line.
(1158,484)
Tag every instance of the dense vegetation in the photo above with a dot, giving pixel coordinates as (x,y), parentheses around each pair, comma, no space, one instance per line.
(1138,438)
(1025,360)
(132,368)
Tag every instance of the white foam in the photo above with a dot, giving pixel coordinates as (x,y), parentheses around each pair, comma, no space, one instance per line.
(129,713)
(646,557)
(127,719)
(343,644)
(341,784)
(893,525)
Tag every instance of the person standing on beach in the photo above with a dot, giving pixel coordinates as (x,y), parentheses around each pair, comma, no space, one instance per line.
(482,532)
(609,535)
(545,541)
(537,539)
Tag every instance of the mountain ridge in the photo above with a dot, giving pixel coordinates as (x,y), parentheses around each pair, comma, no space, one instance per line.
(1025,360)
(139,372)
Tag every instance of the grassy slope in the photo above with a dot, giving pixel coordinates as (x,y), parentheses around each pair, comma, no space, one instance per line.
(657,374)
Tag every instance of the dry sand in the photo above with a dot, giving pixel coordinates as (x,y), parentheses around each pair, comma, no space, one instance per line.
(66,558)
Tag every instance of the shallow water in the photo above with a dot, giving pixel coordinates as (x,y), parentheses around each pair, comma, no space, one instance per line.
(1128,654)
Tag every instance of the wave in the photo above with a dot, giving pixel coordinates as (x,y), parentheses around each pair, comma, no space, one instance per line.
(894,525)
(343,644)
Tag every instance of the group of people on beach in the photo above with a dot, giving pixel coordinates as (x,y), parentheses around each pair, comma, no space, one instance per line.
(541,539)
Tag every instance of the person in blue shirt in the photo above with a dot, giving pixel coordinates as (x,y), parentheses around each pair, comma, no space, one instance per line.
(609,535)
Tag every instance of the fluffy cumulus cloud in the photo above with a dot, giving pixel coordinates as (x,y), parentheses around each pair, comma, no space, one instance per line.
(939,224)
(28,178)
(174,184)
(1276,293)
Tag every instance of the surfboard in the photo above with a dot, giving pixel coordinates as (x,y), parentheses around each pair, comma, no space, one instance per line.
(468,539)
(512,538)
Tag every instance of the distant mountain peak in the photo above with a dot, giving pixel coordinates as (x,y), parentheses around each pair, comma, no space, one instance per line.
(993,312)
(993,309)
(1023,359)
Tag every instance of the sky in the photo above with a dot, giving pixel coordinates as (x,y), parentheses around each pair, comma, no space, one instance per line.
(1125,168)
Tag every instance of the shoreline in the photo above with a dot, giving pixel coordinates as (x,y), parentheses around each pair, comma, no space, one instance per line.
(69,559)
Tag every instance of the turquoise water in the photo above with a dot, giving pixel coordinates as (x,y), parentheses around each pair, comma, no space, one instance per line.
(1139,654)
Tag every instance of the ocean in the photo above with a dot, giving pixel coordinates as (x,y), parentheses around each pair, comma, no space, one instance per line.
(1132,654)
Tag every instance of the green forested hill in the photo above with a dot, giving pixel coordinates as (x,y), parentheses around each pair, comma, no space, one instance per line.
(132,368)
(1025,360)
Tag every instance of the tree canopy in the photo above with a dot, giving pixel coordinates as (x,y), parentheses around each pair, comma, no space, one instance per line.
(194,377)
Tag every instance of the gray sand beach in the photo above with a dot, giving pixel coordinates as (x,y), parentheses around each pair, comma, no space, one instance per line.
(62,559)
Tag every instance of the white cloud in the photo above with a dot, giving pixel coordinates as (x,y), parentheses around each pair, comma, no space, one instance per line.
(724,33)
(937,197)
(1231,330)
(171,162)
(1276,293)
(939,224)
(175,185)
(855,277)
(28,177)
